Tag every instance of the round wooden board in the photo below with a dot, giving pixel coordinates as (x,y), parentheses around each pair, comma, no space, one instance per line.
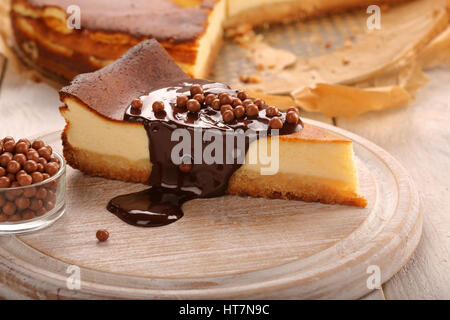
(229,247)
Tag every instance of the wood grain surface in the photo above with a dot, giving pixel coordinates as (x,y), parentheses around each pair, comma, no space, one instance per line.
(417,135)
(228,247)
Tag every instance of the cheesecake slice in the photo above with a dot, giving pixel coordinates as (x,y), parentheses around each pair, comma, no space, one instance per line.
(104,138)
(257,12)
(190,30)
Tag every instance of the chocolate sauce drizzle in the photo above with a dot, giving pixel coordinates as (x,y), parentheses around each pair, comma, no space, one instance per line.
(170,188)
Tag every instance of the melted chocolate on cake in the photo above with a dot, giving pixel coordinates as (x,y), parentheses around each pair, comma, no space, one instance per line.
(174,184)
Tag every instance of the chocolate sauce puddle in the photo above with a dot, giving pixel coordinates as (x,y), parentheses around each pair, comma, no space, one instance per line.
(154,207)
(170,187)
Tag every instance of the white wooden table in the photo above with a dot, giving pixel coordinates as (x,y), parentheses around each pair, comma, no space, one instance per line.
(417,135)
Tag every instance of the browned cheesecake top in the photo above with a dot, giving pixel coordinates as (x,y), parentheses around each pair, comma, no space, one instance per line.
(110,90)
(164,20)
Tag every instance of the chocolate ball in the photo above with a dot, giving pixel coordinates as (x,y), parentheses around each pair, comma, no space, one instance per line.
(20,173)
(36,204)
(2,200)
(293,109)
(5,158)
(33,155)
(22,147)
(20,158)
(158,106)
(259,103)
(40,212)
(228,116)
(41,193)
(247,102)
(193,105)
(51,196)
(220,95)
(37,177)
(226,107)
(24,180)
(239,111)
(2,171)
(276,123)
(13,167)
(271,111)
(242,95)
(9,146)
(216,104)
(226,99)
(30,166)
(15,193)
(28,215)
(181,101)
(292,117)
(210,98)
(102,235)
(5,182)
(44,152)
(3,217)
(199,97)
(37,144)
(40,168)
(196,89)
(49,205)
(29,192)
(22,203)
(236,102)
(51,168)
(10,195)
(9,208)
(135,104)
(54,159)
(26,141)
(251,110)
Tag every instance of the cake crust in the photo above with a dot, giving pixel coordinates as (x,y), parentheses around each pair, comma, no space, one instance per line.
(288,187)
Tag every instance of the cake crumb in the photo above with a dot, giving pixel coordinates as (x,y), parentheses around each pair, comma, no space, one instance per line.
(250,79)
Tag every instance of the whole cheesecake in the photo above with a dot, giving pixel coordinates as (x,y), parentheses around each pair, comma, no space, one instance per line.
(120,120)
(190,30)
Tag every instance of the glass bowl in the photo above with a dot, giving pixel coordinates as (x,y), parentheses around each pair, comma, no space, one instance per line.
(44,203)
